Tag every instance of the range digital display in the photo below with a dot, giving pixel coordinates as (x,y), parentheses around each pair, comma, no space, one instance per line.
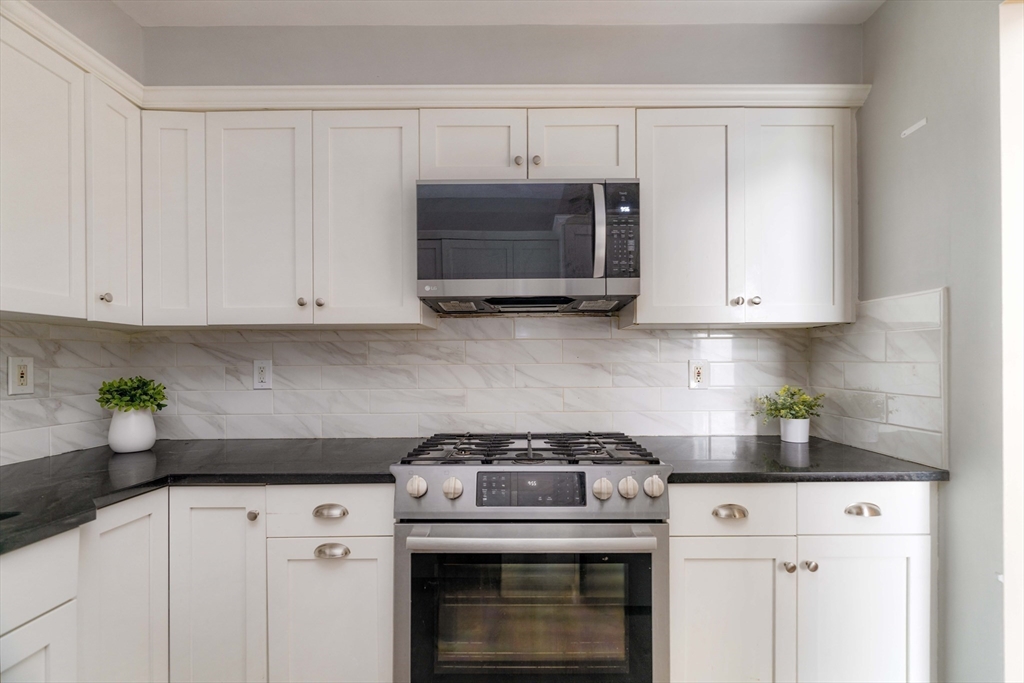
(531,489)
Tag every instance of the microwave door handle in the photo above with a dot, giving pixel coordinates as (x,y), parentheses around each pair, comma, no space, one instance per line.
(600,230)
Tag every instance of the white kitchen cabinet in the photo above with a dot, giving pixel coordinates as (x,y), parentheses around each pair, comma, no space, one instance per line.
(42,650)
(42,178)
(365,165)
(173,218)
(259,205)
(582,143)
(799,216)
(473,144)
(865,611)
(113,184)
(330,619)
(122,599)
(733,609)
(691,165)
(218,584)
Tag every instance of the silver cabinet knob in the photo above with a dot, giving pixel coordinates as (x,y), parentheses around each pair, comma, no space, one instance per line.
(654,486)
(451,488)
(251,515)
(301,301)
(320,302)
(755,301)
(628,488)
(811,566)
(536,160)
(416,486)
(518,160)
(738,301)
(863,510)
(332,551)
(730,511)
(789,567)
(602,489)
(108,297)
(330,511)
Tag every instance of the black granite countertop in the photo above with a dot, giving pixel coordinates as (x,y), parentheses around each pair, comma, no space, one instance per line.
(59,493)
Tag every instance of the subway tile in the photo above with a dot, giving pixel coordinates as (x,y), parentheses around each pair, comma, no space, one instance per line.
(240,377)
(921,346)
(115,354)
(47,353)
(189,426)
(77,333)
(153,355)
(460,329)
(662,424)
(713,398)
(610,350)
(45,412)
(514,400)
(563,375)
(525,351)
(650,374)
(435,423)
(899,442)
(225,402)
(564,422)
(242,336)
(828,427)
(475,376)
(758,374)
(849,347)
(563,328)
(369,377)
(613,399)
(915,411)
(369,426)
(26,444)
(909,312)
(916,379)
(184,379)
(272,427)
(740,423)
(73,437)
(338,401)
(219,353)
(418,401)
(368,335)
(178,336)
(78,381)
(682,350)
(318,353)
(789,348)
(642,333)
(417,353)
(829,375)
(859,404)
(12,328)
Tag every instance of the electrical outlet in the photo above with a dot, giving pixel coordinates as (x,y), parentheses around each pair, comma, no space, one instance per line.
(262,374)
(699,374)
(20,377)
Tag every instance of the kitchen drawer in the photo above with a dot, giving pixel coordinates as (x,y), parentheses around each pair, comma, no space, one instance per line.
(37,578)
(905,507)
(764,509)
(370,510)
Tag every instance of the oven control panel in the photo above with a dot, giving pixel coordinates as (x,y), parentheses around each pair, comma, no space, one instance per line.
(531,489)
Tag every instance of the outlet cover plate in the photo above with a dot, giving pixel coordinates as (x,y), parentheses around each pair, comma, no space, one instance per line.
(699,378)
(20,376)
(262,374)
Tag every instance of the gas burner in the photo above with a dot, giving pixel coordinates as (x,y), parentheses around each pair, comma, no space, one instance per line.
(589,448)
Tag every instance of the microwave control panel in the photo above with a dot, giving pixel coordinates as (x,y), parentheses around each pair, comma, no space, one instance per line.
(622,210)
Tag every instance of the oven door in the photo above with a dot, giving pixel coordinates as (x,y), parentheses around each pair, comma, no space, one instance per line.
(531,602)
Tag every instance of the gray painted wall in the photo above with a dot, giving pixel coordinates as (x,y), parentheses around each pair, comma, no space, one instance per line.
(104,27)
(930,216)
(502,54)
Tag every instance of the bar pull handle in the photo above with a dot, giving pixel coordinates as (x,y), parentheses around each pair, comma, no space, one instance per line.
(600,231)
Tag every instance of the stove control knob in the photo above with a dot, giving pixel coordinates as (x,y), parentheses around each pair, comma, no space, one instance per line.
(654,486)
(602,489)
(452,488)
(628,488)
(417,486)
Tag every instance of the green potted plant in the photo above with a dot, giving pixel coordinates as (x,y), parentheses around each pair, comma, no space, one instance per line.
(794,408)
(133,400)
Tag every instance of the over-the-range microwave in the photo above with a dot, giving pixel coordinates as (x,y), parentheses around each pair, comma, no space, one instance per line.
(565,246)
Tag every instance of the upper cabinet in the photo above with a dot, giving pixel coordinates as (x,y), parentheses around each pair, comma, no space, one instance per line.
(174,218)
(259,206)
(516,144)
(42,178)
(114,213)
(746,216)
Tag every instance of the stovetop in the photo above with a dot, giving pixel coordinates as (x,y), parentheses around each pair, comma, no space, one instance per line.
(565,448)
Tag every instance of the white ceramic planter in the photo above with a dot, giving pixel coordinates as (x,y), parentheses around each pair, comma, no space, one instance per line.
(131,431)
(795,431)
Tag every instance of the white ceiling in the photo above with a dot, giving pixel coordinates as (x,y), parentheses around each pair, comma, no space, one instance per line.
(493,12)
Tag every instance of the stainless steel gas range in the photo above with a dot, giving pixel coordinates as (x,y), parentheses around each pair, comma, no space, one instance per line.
(538,557)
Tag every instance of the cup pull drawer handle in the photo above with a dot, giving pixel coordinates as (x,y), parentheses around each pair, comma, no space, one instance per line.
(330,511)
(730,511)
(864,510)
(332,551)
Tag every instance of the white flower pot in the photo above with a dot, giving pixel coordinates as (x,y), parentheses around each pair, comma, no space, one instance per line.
(795,431)
(131,431)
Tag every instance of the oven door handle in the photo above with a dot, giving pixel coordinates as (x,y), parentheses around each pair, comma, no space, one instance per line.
(642,540)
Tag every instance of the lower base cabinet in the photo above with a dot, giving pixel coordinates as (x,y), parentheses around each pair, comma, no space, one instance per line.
(330,609)
(43,650)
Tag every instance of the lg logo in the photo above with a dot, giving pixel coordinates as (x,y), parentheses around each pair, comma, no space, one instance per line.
(429,288)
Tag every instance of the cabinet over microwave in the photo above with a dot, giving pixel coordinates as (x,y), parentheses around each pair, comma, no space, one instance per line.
(528,246)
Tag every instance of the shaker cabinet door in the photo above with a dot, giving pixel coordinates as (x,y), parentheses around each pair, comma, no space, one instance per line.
(582,143)
(43,650)
(473,144)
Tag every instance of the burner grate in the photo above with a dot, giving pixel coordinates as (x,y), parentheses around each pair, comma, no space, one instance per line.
(604,448)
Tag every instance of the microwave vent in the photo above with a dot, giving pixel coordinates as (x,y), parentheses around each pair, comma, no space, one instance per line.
(458,306)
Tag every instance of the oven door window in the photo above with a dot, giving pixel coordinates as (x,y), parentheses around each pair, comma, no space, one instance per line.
(534,617)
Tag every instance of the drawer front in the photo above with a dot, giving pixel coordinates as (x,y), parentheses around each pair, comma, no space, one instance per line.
(331,510)
(902,507)
(37,578)
(732,509)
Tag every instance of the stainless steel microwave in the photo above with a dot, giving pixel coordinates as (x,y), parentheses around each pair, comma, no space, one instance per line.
(566,246)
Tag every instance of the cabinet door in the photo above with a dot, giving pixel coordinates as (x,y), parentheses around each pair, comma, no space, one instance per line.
(582,143)
(122,595)
(864,612)
(690,165)
(173,218)
(114,206)
(42,178)
(259,206)
(473,144)
(330,619)
(799,228)
(364,220)
(733,609)
(218,584)
(42,650)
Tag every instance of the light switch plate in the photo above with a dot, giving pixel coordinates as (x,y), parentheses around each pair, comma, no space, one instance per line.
(262,374)
(699,374)
(20,376)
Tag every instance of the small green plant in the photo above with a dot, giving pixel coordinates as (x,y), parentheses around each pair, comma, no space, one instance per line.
(135,393)
(789,402)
